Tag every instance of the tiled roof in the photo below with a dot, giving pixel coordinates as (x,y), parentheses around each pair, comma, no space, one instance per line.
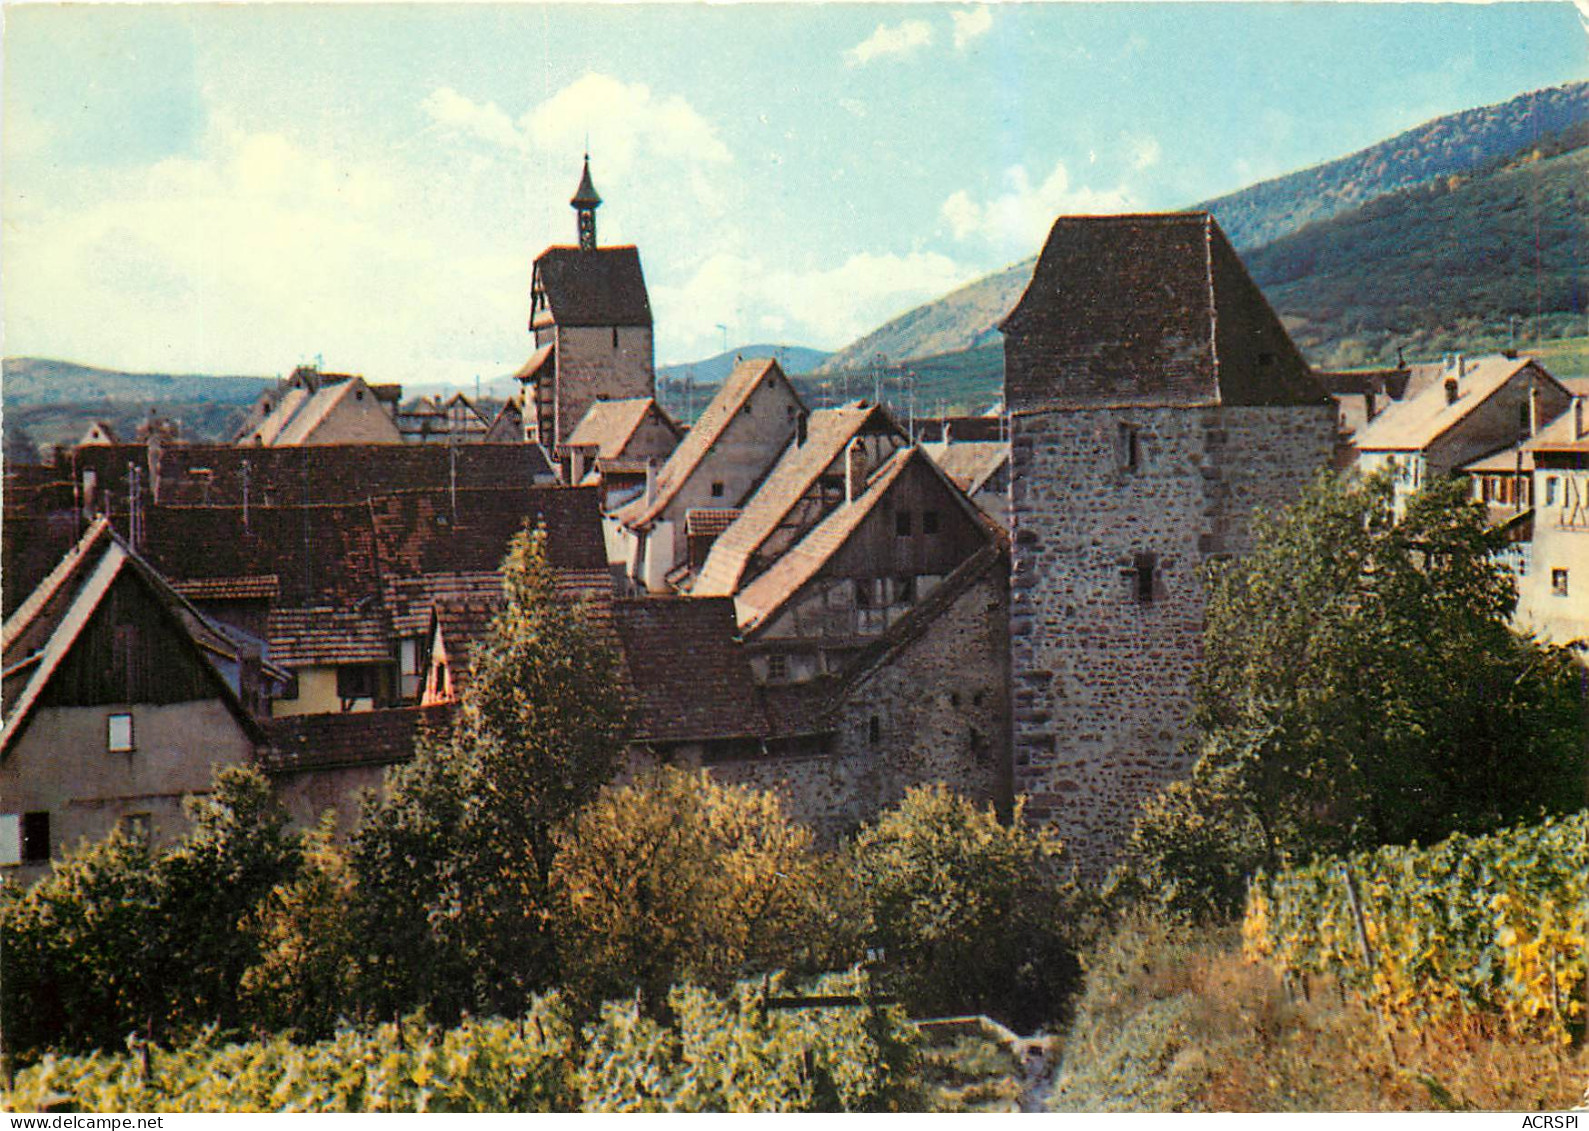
(216,475)
(828,432)
(1381,382)
(608,426)
(1413,424)
(357,738)
(969,464)
(540,360)
(745,378)
(604,287)
(410,600)
(1148,310)
(690,675)
(250,587)
(709,520)
(1562,434)
(328,636)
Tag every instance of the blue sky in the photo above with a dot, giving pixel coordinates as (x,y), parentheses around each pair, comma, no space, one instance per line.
(239,188)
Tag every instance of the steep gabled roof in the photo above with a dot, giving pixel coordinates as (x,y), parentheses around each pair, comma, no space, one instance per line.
(540,363)
(828,432)
(41,634)
(744,380)
(608,426)
(604,287)
(688,671)
(760,602)
(1147,310)
(1415,423)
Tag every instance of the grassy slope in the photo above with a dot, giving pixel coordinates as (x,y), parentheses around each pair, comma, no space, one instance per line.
(1176,1021)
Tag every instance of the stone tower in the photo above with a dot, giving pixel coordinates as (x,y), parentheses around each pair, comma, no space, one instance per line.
(591,318)
(1155,400)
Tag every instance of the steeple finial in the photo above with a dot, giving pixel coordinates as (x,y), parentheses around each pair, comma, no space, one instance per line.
(586,201)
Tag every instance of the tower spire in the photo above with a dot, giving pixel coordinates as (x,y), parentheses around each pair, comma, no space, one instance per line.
(586,201)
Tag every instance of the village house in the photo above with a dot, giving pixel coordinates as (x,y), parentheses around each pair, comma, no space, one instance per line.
(616,445)
(709,476)
(1155,401)
(310,407)
(1455,413)
(980,468)
(119,699)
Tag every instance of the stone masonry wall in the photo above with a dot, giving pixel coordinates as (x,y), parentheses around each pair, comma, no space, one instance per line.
(1101,679)
(942,709)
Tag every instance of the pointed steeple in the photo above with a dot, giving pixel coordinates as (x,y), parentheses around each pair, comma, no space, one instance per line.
(586,201)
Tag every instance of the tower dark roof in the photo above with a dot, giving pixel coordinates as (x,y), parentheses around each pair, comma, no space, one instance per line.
(586,195)
(603,287)
(1147,310)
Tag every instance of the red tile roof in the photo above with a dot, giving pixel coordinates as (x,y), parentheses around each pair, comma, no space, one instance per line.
(604,287)
(608,426)
(690,674)
(324,636)
(1147,310)
(359,738)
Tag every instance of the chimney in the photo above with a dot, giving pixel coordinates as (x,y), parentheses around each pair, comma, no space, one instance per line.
(1451,390)
(1461,363)
(1577,418)
(1533,407)
(651,481)
(855,469)
(576,467)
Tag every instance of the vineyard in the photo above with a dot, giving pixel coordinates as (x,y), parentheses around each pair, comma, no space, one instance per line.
(1473,926)
(739,1053)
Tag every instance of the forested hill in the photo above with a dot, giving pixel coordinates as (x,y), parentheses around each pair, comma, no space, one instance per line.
(1457,144)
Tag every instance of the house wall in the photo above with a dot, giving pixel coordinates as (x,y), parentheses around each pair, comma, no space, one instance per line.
(308,794)
(317,695)
(60,765)
(1102,681)
(743,454)
(1561,542)
(358,418)
(1500,422)
(589,366)
(941,704)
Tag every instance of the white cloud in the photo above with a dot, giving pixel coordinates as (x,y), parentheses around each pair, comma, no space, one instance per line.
(1143,150)
(824,307)
(970,24)
(900,39)
(1015,222)
(488,122)
(624,121)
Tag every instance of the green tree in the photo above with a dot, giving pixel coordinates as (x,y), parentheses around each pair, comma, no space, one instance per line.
(117,939)
(1360,685)
(972,915)
(679,878)
(455,865)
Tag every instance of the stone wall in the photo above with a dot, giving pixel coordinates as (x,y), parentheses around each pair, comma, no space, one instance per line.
(940,702)
(1115,512)
(609,362)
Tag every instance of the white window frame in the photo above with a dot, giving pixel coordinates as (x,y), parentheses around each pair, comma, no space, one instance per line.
(125,746)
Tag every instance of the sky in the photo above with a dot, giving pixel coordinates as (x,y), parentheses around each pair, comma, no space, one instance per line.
(238,189)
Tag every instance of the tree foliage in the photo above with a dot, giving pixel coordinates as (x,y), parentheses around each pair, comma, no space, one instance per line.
(117,939)
(1360,685)
(972,915)
(680,878)
(454,865)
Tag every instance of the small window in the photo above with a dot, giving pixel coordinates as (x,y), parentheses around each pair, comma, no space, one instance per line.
(35,838)
(902,524)
(777,668)
(358,394)
(1558,582)
(929,522)
(1550,491)
(357,682)
(1129,447)
(615,337)
(717,490)
(1265,359)
(408,655)
(118,734)
(1143,567)
(874,730)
